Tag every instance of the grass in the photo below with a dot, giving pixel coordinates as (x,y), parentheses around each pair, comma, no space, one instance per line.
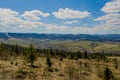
(69,44)
(62,70)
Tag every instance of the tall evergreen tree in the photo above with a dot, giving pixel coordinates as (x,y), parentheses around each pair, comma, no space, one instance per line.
(48,62)
(31,55)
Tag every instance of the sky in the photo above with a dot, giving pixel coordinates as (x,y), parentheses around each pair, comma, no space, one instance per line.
(60,16)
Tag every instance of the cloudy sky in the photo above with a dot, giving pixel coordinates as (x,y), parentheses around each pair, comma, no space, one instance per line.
(60,16)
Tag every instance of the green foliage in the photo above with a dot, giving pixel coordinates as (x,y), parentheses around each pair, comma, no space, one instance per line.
(31,55)
(107,74)
(49,63)
(98,57)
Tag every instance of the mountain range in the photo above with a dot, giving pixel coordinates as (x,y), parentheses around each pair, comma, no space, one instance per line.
(89,37)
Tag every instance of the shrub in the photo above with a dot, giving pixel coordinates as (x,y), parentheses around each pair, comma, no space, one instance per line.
(61,59)
(16,64)
(11,62)
(107,74)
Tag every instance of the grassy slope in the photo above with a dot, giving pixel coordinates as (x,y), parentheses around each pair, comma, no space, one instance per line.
(62,70)
(69,44)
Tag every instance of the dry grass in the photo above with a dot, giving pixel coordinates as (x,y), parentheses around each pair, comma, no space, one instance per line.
(81,69)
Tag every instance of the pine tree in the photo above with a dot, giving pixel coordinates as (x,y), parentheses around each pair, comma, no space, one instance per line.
(49,62)
(108,75)
(31,55)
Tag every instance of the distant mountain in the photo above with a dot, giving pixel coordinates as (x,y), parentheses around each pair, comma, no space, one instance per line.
(105,37)
(4,35)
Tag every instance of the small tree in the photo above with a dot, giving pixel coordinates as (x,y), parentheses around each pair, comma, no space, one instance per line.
(115,62)
(31,55)
(108,75)
(85,55)
(49,62)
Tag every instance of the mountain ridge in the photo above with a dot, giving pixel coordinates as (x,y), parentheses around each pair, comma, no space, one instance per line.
(89,37)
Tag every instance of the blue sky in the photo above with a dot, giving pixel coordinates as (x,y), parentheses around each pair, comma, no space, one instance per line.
(60,16)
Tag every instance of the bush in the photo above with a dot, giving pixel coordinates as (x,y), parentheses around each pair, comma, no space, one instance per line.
(107,74)
(16,64)
(11,62)
(61,59)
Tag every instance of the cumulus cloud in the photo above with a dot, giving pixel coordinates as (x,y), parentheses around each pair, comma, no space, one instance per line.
(111,20)
(4,12)
(112,7)
(70,14)
(98,29)
(10,18)
(56,27)
(71,22)
(12,21)
(34,15)
(110,24)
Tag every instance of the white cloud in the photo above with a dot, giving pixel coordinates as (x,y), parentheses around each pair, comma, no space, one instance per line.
(111,18)
(4,12)
(56,27)
(34,15)
(108,17)
(98,29)
(112,7)
(10,19)
(71,22)
(110,22)
(29,24)
(70,14)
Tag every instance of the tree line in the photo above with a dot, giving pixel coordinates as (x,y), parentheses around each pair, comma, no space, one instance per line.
(7,51)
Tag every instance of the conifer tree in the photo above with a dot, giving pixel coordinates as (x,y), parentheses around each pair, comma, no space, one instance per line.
(31,55)
(48,62)
(108,75)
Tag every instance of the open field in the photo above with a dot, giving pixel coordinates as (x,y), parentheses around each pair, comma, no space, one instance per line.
(82,69)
